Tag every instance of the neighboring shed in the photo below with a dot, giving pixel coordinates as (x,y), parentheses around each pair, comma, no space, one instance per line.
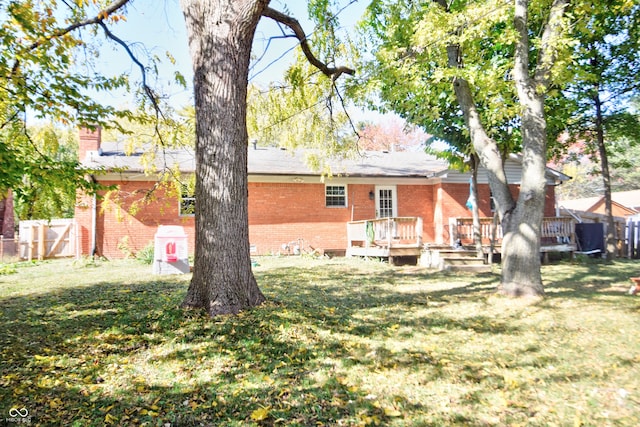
(623,204)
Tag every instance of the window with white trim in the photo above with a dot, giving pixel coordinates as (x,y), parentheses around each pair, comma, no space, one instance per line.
(187,201)
(335,196)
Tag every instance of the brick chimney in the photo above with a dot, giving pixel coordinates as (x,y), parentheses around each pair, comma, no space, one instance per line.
(89,141)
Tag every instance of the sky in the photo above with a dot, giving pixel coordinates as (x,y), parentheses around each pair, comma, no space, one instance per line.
(157,26)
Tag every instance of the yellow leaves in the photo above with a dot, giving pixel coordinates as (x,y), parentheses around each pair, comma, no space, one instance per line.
(391,412)
(261,413)
(388,410)
(368,420)
(149,412)
(110,419)
(107,409)
(104,15)
(55,403)
(118,18)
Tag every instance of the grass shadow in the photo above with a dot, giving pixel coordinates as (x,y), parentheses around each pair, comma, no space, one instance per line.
(337,344)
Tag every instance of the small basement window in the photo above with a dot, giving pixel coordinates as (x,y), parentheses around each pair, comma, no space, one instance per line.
(187,201)
(336,196)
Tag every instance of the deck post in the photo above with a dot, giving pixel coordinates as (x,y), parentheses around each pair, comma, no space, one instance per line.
(453,231)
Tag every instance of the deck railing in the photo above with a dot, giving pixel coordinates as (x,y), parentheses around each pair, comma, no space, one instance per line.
(387,232)
(555,230)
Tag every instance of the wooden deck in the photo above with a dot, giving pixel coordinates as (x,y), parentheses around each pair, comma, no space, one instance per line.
(385,237)
(557,233)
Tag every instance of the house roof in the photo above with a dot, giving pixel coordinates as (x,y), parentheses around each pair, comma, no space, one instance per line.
(276,161)
(630,199)
(626,199)
(115,155)
(583,204)
(272,161)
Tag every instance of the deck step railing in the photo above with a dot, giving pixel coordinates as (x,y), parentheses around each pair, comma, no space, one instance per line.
(389,232)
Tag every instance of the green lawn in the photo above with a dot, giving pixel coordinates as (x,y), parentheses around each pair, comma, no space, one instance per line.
(340,343)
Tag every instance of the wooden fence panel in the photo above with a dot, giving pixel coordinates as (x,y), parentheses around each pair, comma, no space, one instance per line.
(47,239)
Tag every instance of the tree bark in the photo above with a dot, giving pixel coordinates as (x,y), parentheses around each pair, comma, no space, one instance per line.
(475,211)
(485,147)
(612,251)
(521,274)
(521,220)
(220,35)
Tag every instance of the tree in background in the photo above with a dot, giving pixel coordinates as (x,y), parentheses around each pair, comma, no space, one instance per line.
(38,196)
(304,111)
(625,164)
(498,62)
(607,60)
(391,134)
(47,76)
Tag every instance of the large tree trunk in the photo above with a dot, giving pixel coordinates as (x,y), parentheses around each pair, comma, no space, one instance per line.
(521,221)
(521,241)
(612,250)
(486,148)
(220,36)
(475,211)
(521,244)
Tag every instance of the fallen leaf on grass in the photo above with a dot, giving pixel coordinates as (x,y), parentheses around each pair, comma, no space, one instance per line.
(392,412)
(261,413)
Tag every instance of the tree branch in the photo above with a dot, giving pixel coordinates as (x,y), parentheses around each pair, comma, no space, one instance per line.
(147,89)
(549,44)
(103,14)
(99,20)
(294,25)
(113,7)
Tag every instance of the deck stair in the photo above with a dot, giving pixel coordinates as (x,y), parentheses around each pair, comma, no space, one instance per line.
(446,258)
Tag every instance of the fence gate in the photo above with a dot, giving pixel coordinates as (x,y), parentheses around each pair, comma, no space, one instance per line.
(48,239)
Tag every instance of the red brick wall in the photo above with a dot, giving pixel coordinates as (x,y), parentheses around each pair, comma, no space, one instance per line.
(125,213)
(455,197)
(279,213)
(550,201)
(418,200)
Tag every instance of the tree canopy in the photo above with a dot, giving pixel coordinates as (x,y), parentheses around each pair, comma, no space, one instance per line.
(495,67)
(46,77)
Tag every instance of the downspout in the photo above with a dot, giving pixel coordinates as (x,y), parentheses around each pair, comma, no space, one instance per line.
(94,221)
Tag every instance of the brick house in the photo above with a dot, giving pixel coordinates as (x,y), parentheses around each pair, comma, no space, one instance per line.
(288,202)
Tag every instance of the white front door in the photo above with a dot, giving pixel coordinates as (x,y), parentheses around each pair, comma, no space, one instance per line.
(386,201)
